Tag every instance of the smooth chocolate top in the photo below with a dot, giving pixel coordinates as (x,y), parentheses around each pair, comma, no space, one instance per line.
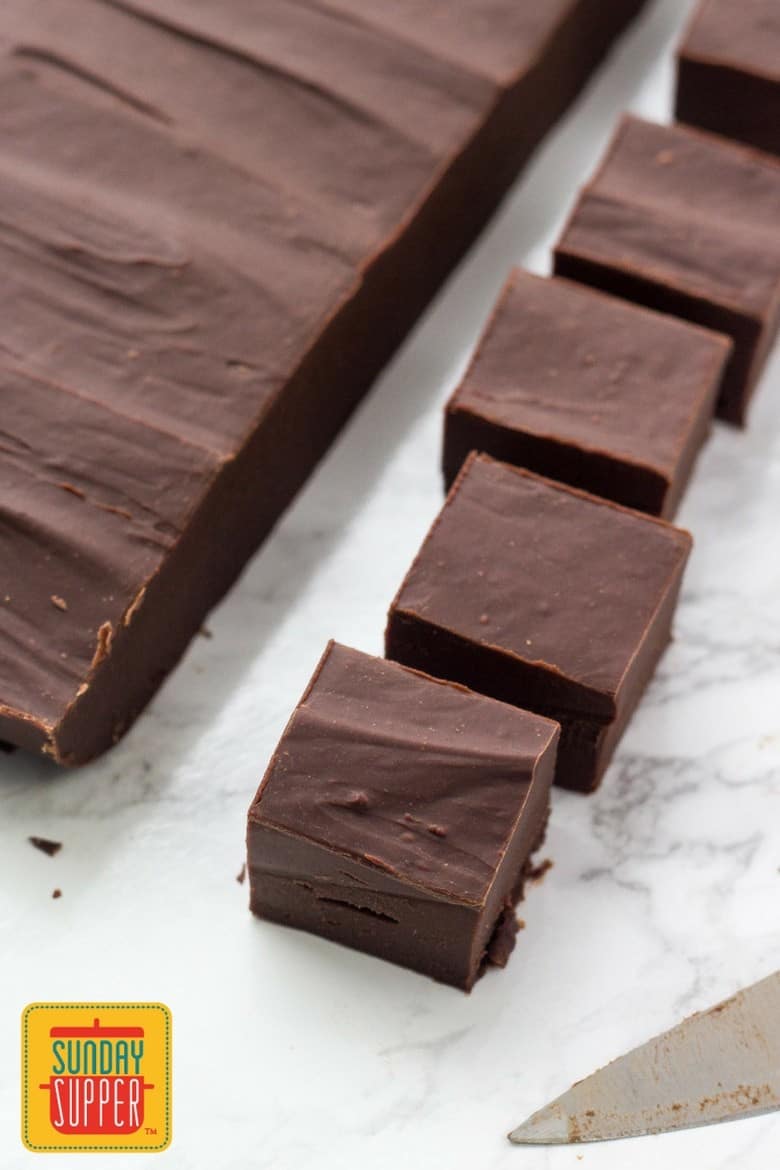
(744,36)
(191,189)
(545,573)
(421,778)
(91,502)
(684,208)
(562,360)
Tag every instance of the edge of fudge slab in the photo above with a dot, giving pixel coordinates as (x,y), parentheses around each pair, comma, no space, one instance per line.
(728,72)
(544,596)
(587,389)
(686,223)
(397,816)
(102,523)
(354,337)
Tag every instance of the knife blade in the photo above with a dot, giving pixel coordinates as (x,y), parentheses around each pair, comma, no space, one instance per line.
(716,1065)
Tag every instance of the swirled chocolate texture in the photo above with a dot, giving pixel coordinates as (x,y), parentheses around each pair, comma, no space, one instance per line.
(217,222)
(398,815)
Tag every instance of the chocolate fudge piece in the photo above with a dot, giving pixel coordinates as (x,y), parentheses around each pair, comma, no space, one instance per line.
(589,390)
(398,815)
(219,220)
(687,223)
(102,519)
(728,71)
(542,596)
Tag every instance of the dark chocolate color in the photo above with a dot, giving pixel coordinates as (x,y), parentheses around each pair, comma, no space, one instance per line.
(687,223)
(45,845)
(542,596)
(218,222)
(589,390)
(398,814)
(101,521)
(728,74)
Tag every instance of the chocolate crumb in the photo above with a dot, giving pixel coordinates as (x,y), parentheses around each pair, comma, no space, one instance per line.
(240,369)
(241,875)
(60,602)
(105,634)
(45,845)
(205,632)
(537,872)
(134,606)
(357,800)
(502,941)
(56,893)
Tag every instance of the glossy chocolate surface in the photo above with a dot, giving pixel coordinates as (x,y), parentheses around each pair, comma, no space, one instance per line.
(590,390)
(397,816)
(218,222)
(687,223)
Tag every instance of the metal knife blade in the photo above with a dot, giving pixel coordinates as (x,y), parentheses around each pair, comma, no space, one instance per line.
(716,1065)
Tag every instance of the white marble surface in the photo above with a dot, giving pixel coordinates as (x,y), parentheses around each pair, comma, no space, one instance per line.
(291,1052)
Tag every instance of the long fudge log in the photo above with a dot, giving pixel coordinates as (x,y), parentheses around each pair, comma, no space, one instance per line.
(218,221)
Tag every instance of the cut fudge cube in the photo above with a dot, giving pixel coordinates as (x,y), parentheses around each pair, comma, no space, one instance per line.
(543,596)
(590,390)
(398,815)
(689,224)
(728,75)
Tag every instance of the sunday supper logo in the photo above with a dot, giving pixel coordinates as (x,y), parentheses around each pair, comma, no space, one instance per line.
(96,1077)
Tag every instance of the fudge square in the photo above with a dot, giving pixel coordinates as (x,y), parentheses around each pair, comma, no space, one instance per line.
(543,596)
(687,223)
(590,390)
(398,815)
(728,71)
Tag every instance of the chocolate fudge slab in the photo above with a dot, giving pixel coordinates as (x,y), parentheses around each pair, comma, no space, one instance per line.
(101,519)
(219,221)
(687,223)
(543,596)
(590,390)
(398,814)
(728,71)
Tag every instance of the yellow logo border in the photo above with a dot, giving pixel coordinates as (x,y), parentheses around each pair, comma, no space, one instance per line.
(95,1149)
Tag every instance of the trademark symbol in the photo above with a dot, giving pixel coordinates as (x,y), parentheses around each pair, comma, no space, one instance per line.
(150,1130)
